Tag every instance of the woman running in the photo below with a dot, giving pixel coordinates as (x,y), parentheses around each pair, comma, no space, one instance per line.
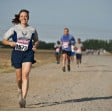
(66,41)
(57,47)
(72,53)
(24,43)
(79,48)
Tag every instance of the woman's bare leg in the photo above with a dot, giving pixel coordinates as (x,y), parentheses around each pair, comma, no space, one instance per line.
(64,56)
(26,67)
(19,84)
(19,78)
(68,62)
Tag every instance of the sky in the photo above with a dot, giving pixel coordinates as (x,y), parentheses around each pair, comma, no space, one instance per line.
(51,16)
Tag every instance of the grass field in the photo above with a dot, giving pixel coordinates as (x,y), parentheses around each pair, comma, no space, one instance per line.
(42,57)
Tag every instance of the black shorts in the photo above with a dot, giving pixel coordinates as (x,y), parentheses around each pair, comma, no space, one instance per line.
(57,53)
(78,56)
(19,57)
(66,52)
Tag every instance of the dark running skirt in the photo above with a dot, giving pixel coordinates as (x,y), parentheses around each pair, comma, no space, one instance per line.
(78,56)
(19,57)
(66,52)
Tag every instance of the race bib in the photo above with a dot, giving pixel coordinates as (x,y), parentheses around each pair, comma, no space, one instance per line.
(65,44)
(78,50)
(22,45)
(58,50)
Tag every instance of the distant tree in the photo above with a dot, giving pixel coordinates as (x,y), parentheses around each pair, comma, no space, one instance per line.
(44,45)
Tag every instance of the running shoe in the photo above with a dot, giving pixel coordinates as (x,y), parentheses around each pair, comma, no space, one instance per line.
(23,103)
(63,69)
(68,68)
(58,62)
(20,104)
(20,98)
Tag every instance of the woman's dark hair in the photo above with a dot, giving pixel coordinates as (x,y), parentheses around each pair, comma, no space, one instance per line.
(58,42)
(79,40)
(66,29)
(16,19)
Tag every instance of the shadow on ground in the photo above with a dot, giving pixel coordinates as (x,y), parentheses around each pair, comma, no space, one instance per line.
(86,99)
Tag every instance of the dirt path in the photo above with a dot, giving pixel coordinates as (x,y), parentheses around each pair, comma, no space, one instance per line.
(86,88)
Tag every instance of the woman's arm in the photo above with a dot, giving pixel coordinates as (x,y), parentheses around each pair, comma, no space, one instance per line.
(35,46)
(7,42)
(7,36)
(36,42)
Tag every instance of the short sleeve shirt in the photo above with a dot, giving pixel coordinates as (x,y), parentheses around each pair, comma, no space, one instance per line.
(22,35)
(79,48)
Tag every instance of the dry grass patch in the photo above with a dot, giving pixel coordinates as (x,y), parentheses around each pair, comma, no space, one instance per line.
(42,57)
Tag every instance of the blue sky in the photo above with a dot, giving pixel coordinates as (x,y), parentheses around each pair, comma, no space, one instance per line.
(80,14)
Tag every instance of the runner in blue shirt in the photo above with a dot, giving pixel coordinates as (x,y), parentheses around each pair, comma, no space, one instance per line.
(66,41)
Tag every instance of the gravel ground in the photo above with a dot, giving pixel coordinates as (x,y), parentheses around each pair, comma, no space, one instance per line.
(88,87)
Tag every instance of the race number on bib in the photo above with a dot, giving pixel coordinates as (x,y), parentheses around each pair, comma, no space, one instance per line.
(22,45)
(65,44)
(58,50)
(78,50)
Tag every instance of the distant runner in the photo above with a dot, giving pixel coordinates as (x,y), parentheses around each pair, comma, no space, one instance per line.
(24,43)
(66,41)
(78,49)
(57,47)
(72,54)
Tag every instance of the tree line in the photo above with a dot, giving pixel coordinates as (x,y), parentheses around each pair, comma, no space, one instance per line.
(88,44)
(98,44)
